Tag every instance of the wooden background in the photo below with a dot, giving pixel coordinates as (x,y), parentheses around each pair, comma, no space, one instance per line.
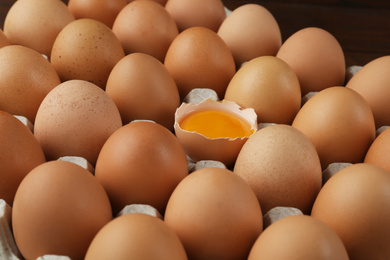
(361,26)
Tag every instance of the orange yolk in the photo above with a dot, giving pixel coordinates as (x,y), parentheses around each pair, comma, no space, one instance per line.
(216,124)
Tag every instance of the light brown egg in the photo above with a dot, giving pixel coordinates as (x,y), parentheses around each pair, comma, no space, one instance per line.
(58,209)
(191,13)
(218,133)
(251,31)
(340,124)
(199,58)
(316,57)
(139,77)
(269,86)
(101,10)
(282,167)
(141,163)
(379,151)
(36,23)
(20,152)
(298,238)
(136,236)
(86,49)
(215,214)
(145,26)
(25,79)
(356,204)
(372,83)
(75,119)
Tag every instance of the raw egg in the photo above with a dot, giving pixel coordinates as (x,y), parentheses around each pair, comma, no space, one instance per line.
(355,203)
(20,152)
(191,13)
(215,214)
(36,23)
(379,151)
(86,49)
(214,130)
(75,119)
(22,95)
(316,57)
(199,58)
(139,77)
(269,86)
(299,237)
(340,124)
(141,163)
(58,209)
(251,31)
(145,26)
(136,236)
(372,82)
(282,167)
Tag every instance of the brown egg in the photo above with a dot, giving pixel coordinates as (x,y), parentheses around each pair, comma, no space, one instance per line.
(58,209)
(213,130)
(75,119)
(36,23)
(215,214)
(356,204)
(251,31)
(316,57)
(136,236)
(199,58)
(139,77)
(372,83)
(299,237)
(161,2)
(269,86)
(101,10)
(145,26)
(282,167)
(141,163)
(340,124)
(4,41)
(379,151)
(20,152)
(86,49)
(191,13)
(22,95)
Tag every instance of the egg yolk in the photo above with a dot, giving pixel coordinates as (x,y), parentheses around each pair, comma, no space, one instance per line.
(216,124)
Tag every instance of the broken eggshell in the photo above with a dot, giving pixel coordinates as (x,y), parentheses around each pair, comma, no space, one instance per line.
(199,147)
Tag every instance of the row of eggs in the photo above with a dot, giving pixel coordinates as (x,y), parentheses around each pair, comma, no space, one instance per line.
(72,116)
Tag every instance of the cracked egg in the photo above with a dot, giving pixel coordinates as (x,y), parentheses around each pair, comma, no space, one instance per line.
(214,130)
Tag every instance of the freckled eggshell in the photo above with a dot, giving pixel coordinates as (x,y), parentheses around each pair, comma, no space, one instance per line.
(269,86)
(86,49)
(136,236)
(75,119)
(20,152)
(356,204)
(141,163)
(199,58)
(340,124)
(137,78)
(379,151)
(36,23)
(251,31)
(316,57)
(372,82)
(215,214)
(59,207)
(297,238)
(101,10)
(26,77)
(145,26)
(191,13)
(282,166)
